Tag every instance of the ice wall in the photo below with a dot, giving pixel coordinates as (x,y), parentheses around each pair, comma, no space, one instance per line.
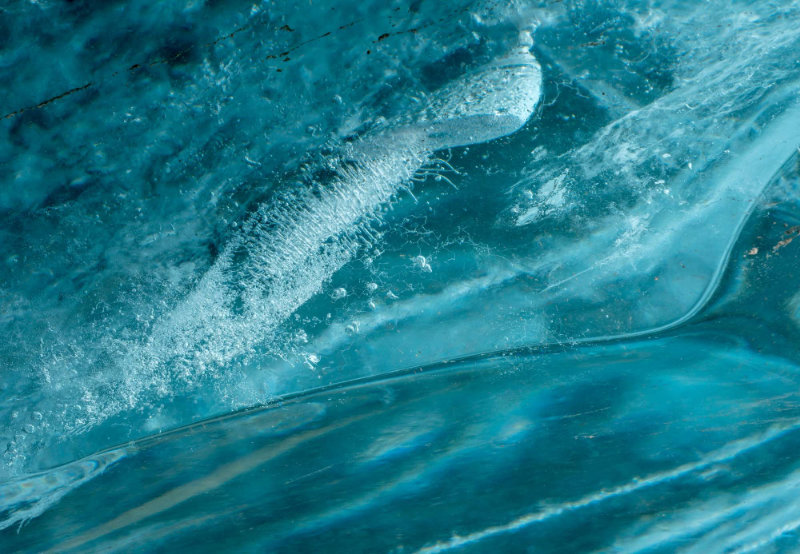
(208,205)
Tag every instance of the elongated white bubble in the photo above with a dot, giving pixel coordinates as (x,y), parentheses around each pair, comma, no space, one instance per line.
(286,251)
(289,248)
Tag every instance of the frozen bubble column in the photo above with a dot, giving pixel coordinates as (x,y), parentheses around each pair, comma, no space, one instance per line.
(291,246)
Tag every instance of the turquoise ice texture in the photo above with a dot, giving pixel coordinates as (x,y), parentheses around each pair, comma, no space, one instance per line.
(400,276)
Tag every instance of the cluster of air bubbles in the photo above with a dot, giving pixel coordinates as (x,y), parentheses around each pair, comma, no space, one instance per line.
(422,264)
(352,328)
(311,360)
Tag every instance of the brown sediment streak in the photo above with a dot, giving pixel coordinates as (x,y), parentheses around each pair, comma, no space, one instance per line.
(178,55)
(132,68)
(48,101)
(174,57)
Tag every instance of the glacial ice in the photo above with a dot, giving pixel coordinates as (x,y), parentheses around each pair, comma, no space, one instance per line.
(485,235)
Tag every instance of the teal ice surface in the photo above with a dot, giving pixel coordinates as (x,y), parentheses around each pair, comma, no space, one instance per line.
(681,440)
(399,276)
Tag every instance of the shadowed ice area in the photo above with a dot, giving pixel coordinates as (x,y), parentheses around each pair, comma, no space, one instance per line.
(399,276)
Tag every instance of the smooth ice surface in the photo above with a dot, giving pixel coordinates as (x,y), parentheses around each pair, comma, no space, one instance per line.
(407,276)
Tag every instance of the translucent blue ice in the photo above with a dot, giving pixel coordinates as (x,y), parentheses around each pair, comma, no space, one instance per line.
(399,276)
